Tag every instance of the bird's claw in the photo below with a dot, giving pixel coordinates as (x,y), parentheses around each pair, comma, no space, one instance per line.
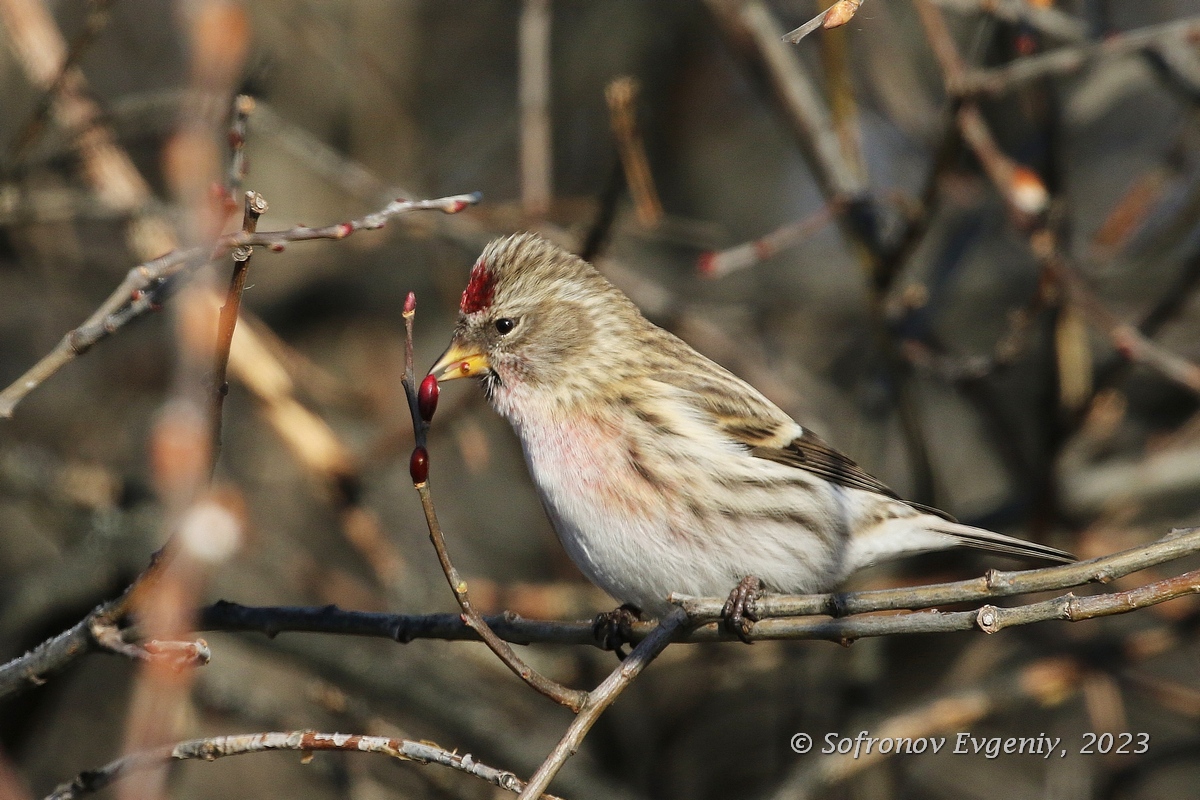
(738,612)
(614,629)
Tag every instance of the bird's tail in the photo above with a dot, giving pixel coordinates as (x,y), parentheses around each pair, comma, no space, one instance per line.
(905,536)
(981,539)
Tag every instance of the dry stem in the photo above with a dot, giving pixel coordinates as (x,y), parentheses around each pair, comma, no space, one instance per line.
(304,742)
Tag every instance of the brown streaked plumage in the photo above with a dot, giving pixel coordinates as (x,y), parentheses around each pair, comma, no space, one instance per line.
(662,471)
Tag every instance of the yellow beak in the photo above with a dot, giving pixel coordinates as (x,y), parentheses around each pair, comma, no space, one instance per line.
(458,362)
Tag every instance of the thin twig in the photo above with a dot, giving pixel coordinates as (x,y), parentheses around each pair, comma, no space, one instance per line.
(788,609)
(747,254)
(1066,60)
(1043,18)
(1027,198)
(97,20)
(753,23)
(573,699)
(537,149)
(255,207)
(835,16)
(601,698)
(32,668)
(139,292)
(622,95)
(304,742)
(243,107)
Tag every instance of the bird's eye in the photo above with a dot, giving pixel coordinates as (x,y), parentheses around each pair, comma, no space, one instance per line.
(504,325)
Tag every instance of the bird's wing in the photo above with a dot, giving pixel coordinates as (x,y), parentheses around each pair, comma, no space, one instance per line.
(810,452)
(744,416)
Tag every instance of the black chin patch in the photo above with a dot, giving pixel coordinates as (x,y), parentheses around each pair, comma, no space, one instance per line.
(491,382)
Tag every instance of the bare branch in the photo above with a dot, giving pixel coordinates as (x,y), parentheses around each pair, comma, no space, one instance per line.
(255,207)
(422,409)
(57,652)
(304,742)
(140,292)
(1044,19)
(622,95)
(732,259)
(537,150)
(1066,60)
(835,16)
(783,616)
(601,698)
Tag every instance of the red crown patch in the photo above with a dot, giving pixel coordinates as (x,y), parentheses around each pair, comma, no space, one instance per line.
(480,289)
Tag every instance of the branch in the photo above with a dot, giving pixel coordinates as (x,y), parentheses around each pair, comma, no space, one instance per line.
(422,405)
(622,96)
(305,742)
(1026,197)
(782,616)
(1071,59)
(806,110)
(255,207)
(1044,19)
(601,698)
(143,287)
(96,632)
(835,16)
(537,149)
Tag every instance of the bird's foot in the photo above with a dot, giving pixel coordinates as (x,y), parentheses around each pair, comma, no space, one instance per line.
(738,613)
(614,629)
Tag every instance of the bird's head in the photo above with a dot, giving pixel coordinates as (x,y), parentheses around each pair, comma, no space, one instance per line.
(535,316)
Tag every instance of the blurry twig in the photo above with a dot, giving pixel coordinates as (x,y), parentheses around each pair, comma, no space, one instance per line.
(304,742)
(141,290)
(835,16)
(106,168)
(1042,18)
(1026,196)
(622,96)
(716,264)
(97,20)
(35,666)
(1071,59)
(243,107)
(1129,341)
(537,149)
(753,24)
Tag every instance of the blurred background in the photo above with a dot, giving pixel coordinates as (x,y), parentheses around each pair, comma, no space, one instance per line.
(977,281)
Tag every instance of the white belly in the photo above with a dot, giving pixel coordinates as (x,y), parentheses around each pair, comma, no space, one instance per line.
(636,545)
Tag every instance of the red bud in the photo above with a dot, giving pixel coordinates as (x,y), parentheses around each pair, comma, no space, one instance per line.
(410,303)
(418,465)
(427,397)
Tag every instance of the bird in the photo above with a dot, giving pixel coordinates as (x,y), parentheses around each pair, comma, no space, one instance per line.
(661,471)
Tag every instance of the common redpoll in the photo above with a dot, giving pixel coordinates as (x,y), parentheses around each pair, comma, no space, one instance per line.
(661,471)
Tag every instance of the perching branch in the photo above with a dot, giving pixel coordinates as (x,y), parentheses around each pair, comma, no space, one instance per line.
(305,742)
(143,288)
(839,616)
